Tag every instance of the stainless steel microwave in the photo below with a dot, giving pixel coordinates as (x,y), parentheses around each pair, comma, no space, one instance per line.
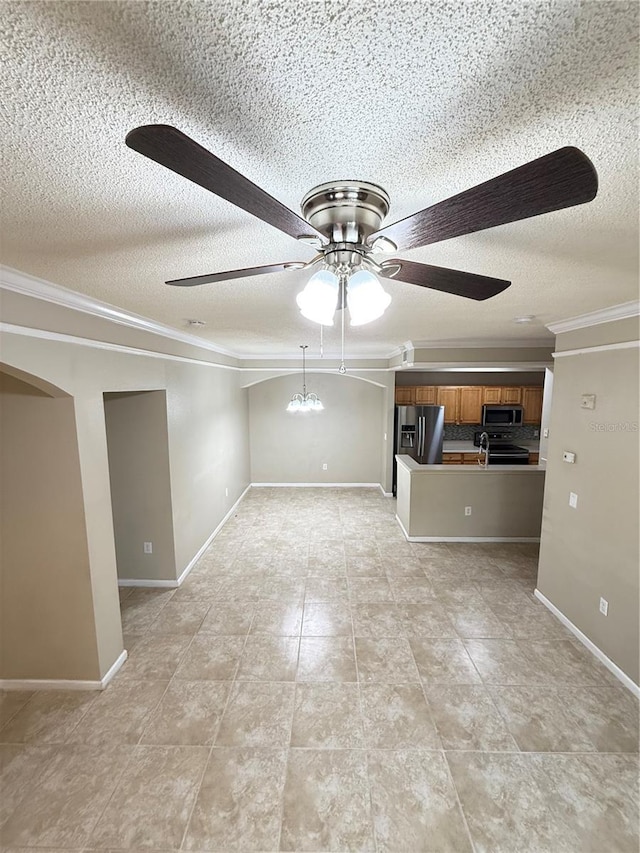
(501,415)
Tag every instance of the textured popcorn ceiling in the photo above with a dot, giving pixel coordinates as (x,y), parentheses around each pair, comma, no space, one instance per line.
(425,99)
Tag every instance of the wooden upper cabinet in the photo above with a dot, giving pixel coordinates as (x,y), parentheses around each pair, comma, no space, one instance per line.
(491,395)
(470,405)
(512,395)
(532,402)
(502,395)
(463,404)
(406,396)
(448,397)
(425,395)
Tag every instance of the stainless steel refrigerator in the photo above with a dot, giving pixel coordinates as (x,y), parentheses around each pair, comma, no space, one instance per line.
(419,431)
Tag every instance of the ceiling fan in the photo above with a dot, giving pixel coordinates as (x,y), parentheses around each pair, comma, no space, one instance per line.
(343,220)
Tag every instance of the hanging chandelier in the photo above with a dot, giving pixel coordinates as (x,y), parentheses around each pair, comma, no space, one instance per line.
(305,402)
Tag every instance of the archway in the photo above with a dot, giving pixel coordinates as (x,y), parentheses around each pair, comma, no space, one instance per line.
(47,610)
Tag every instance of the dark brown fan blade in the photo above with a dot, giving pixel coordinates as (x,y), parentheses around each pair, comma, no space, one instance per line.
(226,276)
(561,179)
(173,149)
(448,281)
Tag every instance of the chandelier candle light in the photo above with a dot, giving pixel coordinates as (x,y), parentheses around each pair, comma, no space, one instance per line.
(304,402)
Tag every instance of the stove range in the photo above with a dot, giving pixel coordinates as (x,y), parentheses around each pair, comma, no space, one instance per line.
(501,449)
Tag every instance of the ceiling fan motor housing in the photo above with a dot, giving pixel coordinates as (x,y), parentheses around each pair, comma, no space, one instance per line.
(346,211)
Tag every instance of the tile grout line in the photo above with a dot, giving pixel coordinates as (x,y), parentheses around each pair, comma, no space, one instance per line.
(198,788)
(169,682)
(137,745)
(364,734)
(111,796)
(459,801)
(491,699)
(232,683)
(17,711)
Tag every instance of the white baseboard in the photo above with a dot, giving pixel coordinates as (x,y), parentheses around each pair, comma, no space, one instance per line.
(195,559)
(402,527)
(508,539)
(386,494)
(316,485)
(113,669)
(174,584)
(611,666)
(63,683)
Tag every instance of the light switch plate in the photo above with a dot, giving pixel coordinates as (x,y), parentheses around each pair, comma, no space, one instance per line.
(573,500)
(567,456)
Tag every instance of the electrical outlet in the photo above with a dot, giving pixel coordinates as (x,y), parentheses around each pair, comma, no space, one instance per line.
(604,606)
(385,436)
(545,433)
(226,493)
(324,466)
(467,510)
(148,547)
(573,500)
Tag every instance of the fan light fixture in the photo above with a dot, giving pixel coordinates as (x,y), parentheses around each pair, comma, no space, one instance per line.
(305,402)
(365,297)
(319,300)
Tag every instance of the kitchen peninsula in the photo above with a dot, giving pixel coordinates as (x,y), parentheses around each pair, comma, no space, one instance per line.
(505,502)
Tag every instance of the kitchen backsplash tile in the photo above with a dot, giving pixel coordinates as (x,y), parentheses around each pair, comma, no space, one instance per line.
(465,432)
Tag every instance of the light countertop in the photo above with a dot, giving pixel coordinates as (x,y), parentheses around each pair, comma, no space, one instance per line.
(411,465)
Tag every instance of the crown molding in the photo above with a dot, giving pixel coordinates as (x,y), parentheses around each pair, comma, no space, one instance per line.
(601,348)
(47,335)
(326,359)
(329,368)
(400,350)
(475,367)
(480,343)
(37,288)
(595,318)
(28,285)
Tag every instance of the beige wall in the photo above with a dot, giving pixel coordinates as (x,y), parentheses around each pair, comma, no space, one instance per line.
(618,331)
(207,424)
(592,551)
(481,356)
(24,310)
(504,504)
(46,604)
(347,434)
(208,421)
(140,485)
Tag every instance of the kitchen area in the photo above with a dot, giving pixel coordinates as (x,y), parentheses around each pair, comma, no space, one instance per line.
(467,463)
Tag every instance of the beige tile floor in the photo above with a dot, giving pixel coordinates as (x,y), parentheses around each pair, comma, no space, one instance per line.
(318,683)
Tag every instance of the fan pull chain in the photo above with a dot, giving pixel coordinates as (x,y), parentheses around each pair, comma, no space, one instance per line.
(304,373)
(342,368)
